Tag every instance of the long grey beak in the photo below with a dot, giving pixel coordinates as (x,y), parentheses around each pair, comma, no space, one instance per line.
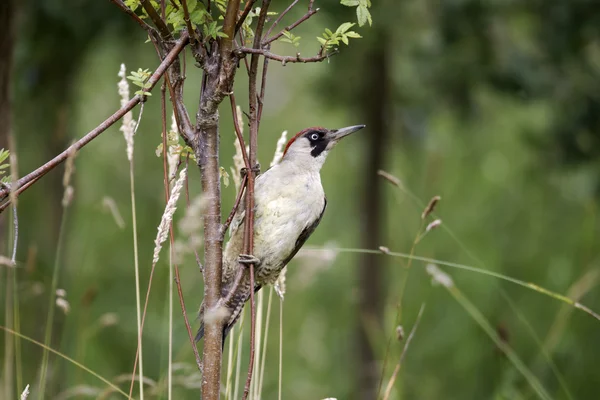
(337,134)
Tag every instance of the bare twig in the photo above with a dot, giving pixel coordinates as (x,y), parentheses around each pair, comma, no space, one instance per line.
(187,200)
(235,206)
(244,14)
(263,88)
(249,223)
(136,18)
(390,385)
(172,237)
(162,27)
(288,59)
(243,39)
(188,328)
(188,23)
(280,17)
(26,181)
(288,28)
(238,131)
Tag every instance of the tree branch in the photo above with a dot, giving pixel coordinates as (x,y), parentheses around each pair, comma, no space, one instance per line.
(236,205)
(249,223)
(288,28)
(26,181)
(162,27)
(281,17)
(263,88)
(188,23)
(136,18)
(238,131)
(287,59)
(244,14)
(229,25)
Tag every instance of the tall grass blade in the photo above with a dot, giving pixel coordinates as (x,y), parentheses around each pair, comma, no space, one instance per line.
(72,361)
(280,380)
(559,377)
(446,281)
(261,371)
(528,285)
(53,286)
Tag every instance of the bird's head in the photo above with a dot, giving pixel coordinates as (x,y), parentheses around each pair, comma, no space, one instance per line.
(309,147)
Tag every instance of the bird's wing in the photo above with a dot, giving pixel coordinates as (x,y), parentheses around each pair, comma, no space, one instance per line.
(308,230)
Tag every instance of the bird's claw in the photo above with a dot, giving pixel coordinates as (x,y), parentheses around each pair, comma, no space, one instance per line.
(255,169)
(247,259)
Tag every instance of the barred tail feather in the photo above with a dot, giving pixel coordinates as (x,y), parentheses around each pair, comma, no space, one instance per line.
(235,316)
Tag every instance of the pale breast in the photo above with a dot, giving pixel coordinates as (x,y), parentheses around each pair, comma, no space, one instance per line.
(286,203)
(289,208)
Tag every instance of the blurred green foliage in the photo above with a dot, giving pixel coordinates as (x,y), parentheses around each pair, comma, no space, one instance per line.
(493,105)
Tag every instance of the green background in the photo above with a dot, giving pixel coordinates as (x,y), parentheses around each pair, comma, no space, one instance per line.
(492,105)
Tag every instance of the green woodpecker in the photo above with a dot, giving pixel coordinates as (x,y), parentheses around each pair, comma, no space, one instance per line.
(289,204)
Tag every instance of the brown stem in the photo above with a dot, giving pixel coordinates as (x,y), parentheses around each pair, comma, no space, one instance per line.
(162,27)
(219,72)
(208,161)
(187,201)
(244,14)
(234,209)
(25,182)
(288,28)
(133,15)
(287,10)
(287,59)
(238,131)
(249,223)
(188,23)
(263,88)
(229,25)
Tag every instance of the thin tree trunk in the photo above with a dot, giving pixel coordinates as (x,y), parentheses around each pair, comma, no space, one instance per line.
(211,187)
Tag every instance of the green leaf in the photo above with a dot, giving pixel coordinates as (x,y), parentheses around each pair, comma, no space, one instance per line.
(322,41)
(133,4)
(344,27)
(4,155)
(349,3)
(363,15)
(198,17)
(353,34)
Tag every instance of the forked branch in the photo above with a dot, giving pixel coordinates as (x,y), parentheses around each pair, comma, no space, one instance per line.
(289,59)
(288,28)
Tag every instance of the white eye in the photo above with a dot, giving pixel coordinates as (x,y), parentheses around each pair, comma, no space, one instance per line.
(314,136)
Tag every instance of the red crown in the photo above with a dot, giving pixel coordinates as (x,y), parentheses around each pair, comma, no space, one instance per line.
(302,132)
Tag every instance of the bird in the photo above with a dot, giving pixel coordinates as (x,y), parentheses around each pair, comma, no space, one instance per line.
(289,202)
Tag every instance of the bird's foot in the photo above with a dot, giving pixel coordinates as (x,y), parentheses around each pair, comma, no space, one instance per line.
(247,259)
(255,169)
